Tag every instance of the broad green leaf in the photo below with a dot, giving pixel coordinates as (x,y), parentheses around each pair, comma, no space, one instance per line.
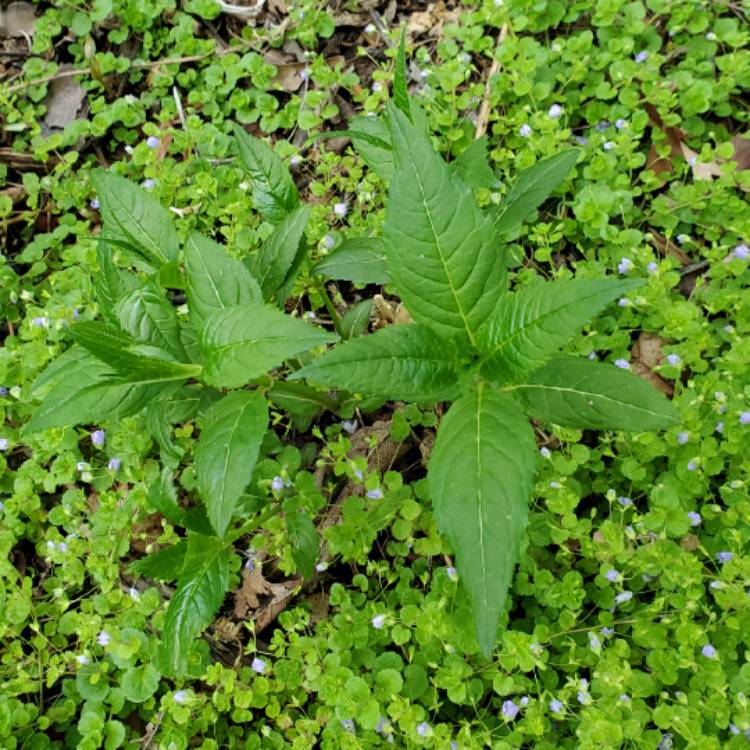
(299,399)
(133,361)
(132,217)
(372,139)
(149,317)
(361,260)
(233,430)
(276,257)
(247,341)
(472,165)
(533,186)
(214,280)
(73,361)
(574,392)
(354,323)
(200,591)
(111,283)
(303,539)
(287,286)
(533,323)
(400,90)
(140,683)
(441,248)
(164,565)
(274,192)
(480,479)
(162,496)
(403,362)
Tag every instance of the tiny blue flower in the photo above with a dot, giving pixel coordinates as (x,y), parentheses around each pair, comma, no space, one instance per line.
(465,58)
(665,742)
(620,123)
(745,417)
(148,183)
(537,649)
(152,142)
(742,252)
(674,359)
(625,698)
(709,651)
(608,631)
(641,57)
(95,204)
(717,585)
(98,437)
(376,494)
(584,698)
(82,659)
(378,622)
(321,567)
(509,710)
(296,160)
(341,209)
(683,238)
(593,356)
(41,322)
(524,701)
(556,706)
(104,638)
(423,729)
(623,302)
(180,697)
(734,729)
(114,464)
(594,642)
(625,265)
(652,267)
(452,573)
(683,437)
(724,557)
(555,111)
(711,36)
(3,390)
(624,501)
(525,130)
(719,427)
(277,484)
(603,125)
(581,140)
(624,596)
(63,547)
(692,465)
(613,575)
(609,146)
(3,444)
(258,665)
(695,518)
(349,425)
(348,725)
(134,593)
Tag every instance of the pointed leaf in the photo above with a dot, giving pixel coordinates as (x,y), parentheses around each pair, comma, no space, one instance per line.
(233,430)
(111,283)
(441,249)
(480,480)
(303,538)
(404,362)
(576,392)
(472,165)
(274,192)
(214,280)
(354,323)
(200,591)
(372,139)
(164,565)
(533,186)
(533,323)
(361,260)
(247,341)
(400,90)
(275,258)
(132,217)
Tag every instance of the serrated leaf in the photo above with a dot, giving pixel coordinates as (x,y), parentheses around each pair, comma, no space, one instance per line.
(247,341)
(354,323)
(277,255)
(472,165)
(148,316)
(274,192)
(297,398)
(200,592)
(361,260)
(372,139)
(535,322)
(132,217)
(574,392)
(404,362)
(304,541)
(400,90)
(441,248)
(532,187)
(233,430)
(214,280)
(480,479)
(164,565)
(287,286)
(111,284)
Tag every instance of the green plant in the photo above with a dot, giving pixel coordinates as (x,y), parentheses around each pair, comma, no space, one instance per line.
(491,352)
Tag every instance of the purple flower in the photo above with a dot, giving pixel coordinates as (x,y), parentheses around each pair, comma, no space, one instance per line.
(625,698)
(537,649)
(609,146)
(709,651)
(556,706)
(82,659)
(581,140)
(148,183)
(258,665)
(544,452)
(3,444)
(683,437)
(652,267)
(349,426)
(341,209)
(452,573)
(594,642)
(695,518)
(277,484)
(378,622)
(347,724)
(593,356)
(742,252)
(623,302)
(624,266)
(734,729)
(509,710)
(423,729)
(624,501)
(745,417)
(376,494)
(724,557)
(692,465)
(525,130)
(321,567)
(95,204)
(3,390)
(716,585)
(180,697)
(612,575)
(624,596)
(75,313)
(41,322)
(114,464)
(683,238)
(555,111)
(524,701)
(603,125)
(152,142)
(641,56)
(623,364)
(584,698)
(104,638)
(620,123)
(666,742)
(98,437)
(674,359)
(608,631)
(719,427)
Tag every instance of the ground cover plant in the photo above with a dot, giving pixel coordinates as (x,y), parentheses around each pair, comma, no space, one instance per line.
(347,619)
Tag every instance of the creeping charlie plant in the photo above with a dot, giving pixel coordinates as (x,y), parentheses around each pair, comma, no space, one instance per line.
(490,352)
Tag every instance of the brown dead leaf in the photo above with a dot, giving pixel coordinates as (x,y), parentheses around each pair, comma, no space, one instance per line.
(253,586)
(690,542)
(647,354)
(741,152)
(667,247)
(63,101)
(318,604)
(225,629)
(702,170)
(260,600)
(388,313)
(431,20)
(17,20)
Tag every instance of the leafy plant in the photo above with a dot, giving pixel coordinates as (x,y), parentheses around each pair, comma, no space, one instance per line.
(211,364)
(490,351)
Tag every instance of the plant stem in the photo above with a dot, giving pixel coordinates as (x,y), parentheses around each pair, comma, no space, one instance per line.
(329,306)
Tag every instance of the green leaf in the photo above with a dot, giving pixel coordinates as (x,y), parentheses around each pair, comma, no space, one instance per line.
(533,323)
(148,316)
(132,217)
(354,323)
(303,538)
(164,565)
(247,341)
(214,280)
(480,479)
(403,362)
(574,392)
(140,683)
(277,255)
(200,591)
(400,90)
(274,192)
(233,430)
(372,139)
(533,186)
(111,284)
(287,286)
(300,400)
(441,248)
(472,165)
(361,260)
